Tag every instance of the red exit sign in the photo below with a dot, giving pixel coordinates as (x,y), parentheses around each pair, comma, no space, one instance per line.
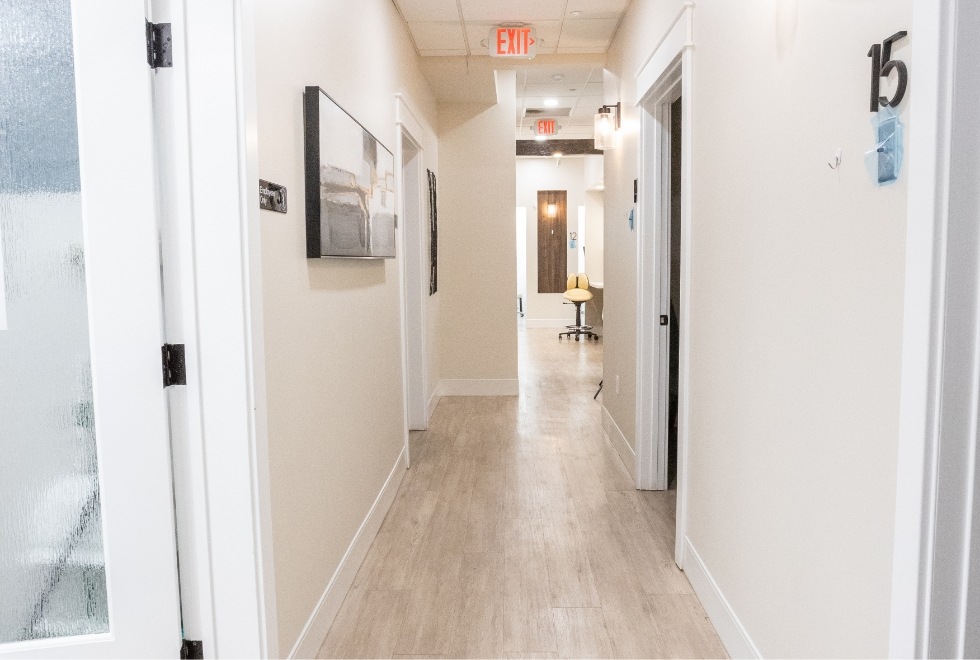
(546,127)
(519,42)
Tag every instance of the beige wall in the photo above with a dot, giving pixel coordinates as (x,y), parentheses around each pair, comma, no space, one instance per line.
(333,345)
(796,303)
(534,174)
(638,33)
(477,337)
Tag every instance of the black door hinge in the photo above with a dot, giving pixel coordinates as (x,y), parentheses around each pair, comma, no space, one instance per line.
(174,369)
(663,319)
(191,649)
(159,45)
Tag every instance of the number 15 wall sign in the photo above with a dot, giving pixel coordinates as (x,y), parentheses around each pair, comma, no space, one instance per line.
(882,65)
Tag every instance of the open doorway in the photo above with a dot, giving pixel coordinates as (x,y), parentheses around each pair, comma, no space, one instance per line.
(673,257)
(661,300)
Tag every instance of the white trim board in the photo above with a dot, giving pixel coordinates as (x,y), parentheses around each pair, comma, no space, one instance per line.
(318,625)
(677,37)
(478,387)
(616,438)
(918,436)
(730,630)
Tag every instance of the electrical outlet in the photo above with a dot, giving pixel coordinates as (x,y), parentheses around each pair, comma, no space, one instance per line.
(617,383)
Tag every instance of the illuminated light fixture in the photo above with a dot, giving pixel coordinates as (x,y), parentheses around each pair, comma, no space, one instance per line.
(551,103)
(552,210)
(540,138)
(607,122)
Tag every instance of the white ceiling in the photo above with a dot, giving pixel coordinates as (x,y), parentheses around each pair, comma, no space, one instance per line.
(577,89)
(572,28)
(457,27)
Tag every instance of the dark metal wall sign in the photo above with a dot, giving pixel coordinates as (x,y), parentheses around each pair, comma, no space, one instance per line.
(272,196)
(549,147)
(882,65)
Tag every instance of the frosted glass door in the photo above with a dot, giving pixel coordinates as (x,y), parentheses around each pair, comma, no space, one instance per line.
(86,519)
(52,566)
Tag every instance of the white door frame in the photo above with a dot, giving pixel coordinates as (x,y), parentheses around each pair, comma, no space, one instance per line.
(929,425)
(655,206)
(669,64)
(414,275)
(214,286)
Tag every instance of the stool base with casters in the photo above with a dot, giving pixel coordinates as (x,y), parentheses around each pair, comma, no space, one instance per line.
(578,294)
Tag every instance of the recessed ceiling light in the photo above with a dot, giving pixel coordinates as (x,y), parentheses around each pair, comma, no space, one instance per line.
(551,103)
(575,14)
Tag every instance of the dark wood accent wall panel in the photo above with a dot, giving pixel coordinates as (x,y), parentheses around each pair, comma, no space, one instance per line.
(549,147)
(552,246)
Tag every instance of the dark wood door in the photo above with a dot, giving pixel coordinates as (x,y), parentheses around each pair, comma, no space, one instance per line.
(552,237)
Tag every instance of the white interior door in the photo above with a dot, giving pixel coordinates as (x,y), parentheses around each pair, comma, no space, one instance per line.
(87,549)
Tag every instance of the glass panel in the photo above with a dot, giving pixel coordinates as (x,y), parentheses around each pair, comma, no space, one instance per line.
(52,567)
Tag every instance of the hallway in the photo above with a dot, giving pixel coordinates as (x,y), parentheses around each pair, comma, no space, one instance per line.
(517,533)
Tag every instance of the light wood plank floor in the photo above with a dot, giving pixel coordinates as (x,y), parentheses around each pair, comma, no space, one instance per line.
(517,533)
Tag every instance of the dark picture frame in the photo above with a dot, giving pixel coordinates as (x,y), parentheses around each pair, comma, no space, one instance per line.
(350,184)
(433,235)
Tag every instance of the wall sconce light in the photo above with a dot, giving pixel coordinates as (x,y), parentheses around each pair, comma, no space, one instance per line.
(552,210)
(607,122)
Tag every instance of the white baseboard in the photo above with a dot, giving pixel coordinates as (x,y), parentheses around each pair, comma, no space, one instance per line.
(478,387)
(731,631)
(548,323)
(619,442)
(318,625)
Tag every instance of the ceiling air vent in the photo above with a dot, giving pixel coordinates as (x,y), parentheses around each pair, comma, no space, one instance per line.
(550,112)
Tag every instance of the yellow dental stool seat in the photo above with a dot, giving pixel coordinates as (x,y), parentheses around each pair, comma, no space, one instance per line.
(577,293)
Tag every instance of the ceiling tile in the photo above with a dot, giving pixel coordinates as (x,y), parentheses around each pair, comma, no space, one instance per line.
(574,74)
(591,50)
(497,11)
(554,90)
(428,10)
(437,36)
(538,102)
(596,8)
(587,33)
(443,53)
